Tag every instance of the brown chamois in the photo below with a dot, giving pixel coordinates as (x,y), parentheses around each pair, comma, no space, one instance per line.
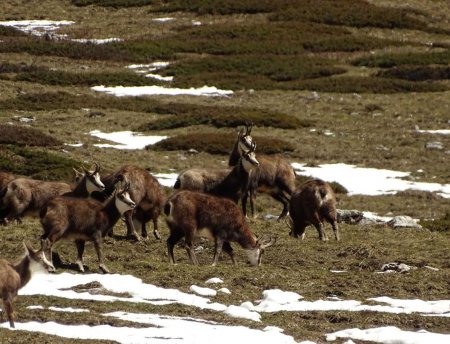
(83,220)
(146,192)
(193,214)
(312,203)
(25,196)
(5,178)
(275,176)
(14,276)
(203,179)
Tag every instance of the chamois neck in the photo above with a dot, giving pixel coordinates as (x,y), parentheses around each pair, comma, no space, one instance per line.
(110,214)
(80,188)
(233,183)
(248,239)
(234,155)
(23,269)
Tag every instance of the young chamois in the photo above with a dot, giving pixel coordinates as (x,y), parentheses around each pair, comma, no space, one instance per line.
(203,179)
(83,220)
(146,192)
(193,214)
(312,203)
(274,176)
(14,276)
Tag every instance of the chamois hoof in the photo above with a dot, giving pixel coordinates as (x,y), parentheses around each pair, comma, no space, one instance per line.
(133,237)
(157,235)
(104,269)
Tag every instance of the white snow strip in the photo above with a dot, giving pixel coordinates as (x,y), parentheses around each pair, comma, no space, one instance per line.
(151,66)
(243,313)
(163,19)
(225,291)
(58,285)
(134,91)
(97,41)
(391,334)
(214,280)
(369,181)
(166,179)
(203,291)
(68,309)
(126,139)
(439,131)
(159,77)
(36,27)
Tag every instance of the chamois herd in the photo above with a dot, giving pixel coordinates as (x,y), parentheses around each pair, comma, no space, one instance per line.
(204,204)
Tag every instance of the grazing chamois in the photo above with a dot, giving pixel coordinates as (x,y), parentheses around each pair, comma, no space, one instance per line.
(312,203)
(14,276)
(83,220)
(203,179)
(193,214)
(146,192)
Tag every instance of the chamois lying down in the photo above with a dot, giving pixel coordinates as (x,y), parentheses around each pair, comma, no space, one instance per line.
(192,214)
(83,220)
(313,203)
(14,276)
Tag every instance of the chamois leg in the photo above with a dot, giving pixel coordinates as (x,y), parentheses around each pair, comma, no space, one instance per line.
(218,249)
(244,203)
(252,204)
(155,224)
(229,250)
(131,231)
(174,237)
(298,231)
(80,249)
(280,197)
(335,229)
(9,309)
(320,228)
(189,245)
(98,249)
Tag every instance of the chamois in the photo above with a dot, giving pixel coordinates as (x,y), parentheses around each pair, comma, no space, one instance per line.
(274,176)
(14,276)
(193,214)
(203,179)
(83,220)
(26,196)
(312,203)
(146,192)
(5,178)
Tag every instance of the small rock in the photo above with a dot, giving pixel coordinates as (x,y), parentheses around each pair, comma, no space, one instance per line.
(397,267)
(434,145)
(192,151)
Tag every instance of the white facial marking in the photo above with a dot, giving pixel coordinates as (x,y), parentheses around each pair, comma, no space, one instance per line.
(124,205)
(91,187)
(253,256)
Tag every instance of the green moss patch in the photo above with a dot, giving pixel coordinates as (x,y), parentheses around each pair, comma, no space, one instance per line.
(391,60)
(438,225)
(417,73)
(214,143)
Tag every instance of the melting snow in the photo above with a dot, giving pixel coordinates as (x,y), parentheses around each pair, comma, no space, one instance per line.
(36,27)
(121,91)
(214,280)
(439,131)
(166,179)
(369,181)
(126,139)
(203,291)
(391,334)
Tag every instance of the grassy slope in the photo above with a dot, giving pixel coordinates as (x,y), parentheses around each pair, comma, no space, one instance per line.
(374,130)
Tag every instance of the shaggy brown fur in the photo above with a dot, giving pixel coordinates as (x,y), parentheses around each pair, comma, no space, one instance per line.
(82,220)
(14,276)
(193,214)
(312,203)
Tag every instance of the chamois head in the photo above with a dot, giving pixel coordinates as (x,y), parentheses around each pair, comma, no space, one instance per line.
(123,200)
(93,182)
(254,255)
(249,158)
(245,140)
(38,261)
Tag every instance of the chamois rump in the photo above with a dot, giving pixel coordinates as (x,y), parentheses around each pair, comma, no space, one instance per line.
(312,203)
(193,214)
(14,276)
(145,191)
(82,220)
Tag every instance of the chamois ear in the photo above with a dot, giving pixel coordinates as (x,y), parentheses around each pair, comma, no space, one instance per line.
(28,249)
(266,241)
(95,167)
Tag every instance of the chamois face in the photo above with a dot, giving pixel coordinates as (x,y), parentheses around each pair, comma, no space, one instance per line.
(93,182)
(249,160)
(245,143)
(254,256)
(124,201)
(38,261)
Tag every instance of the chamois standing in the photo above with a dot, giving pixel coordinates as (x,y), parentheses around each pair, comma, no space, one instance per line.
(274,176)
(313,203)
(83,220)
(203,179)
(14,276)
(193,214)
(146,192)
